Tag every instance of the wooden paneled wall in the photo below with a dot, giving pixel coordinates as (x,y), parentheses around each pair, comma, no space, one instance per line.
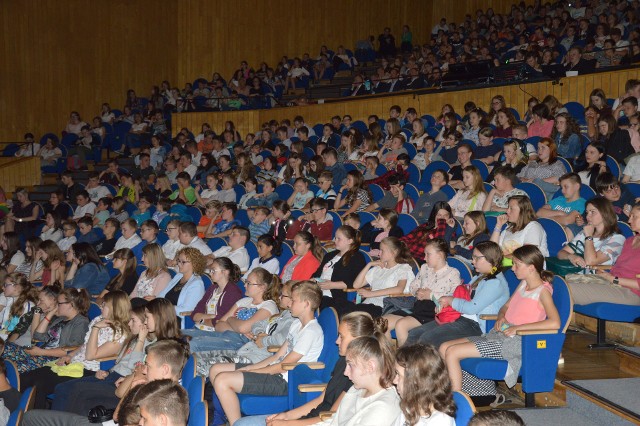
(73,55)
(15,172)
(572,89)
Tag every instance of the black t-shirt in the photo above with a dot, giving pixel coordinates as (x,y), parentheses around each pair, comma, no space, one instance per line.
(11,399)
(337,384)
(626,197)
(105,247)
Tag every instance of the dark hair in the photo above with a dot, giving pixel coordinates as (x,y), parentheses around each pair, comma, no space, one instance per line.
(316,248)
(79,299)
(86,253)
(531,255)
(496,418)
(164,315)
(228,265)
(604,182)
(351,234)
(270,241)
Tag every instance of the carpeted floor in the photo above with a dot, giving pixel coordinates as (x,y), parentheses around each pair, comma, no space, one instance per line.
(553,416)
(622,392)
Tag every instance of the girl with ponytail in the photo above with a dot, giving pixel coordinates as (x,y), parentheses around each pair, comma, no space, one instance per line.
(530,307)
(352,326)
(230,331)
(372,399)
(385,277)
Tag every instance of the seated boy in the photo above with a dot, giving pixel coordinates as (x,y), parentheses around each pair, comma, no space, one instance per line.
(607,186)
(568,208)
(521,133)
(188,236)
(95,190)
(86,207)
(267,197)
(162,210)
(259,223)
(395,199)
(372,164)
(269,377)
(211,215)
(223,228)
(236,251)
(319,222)
(143,213)
(102,212)
(87,233)
(69,229)
(149,233)
(227,194)
(185,191)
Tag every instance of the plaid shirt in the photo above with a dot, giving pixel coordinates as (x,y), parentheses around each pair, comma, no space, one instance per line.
(417,239)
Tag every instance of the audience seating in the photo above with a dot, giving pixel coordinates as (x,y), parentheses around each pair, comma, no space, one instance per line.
(465,408)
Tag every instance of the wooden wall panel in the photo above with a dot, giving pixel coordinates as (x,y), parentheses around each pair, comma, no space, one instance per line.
(15,173)
(56,57)
(572,89)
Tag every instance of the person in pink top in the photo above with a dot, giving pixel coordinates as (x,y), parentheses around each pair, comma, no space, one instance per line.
(541,123)
(530,307)
(619,285)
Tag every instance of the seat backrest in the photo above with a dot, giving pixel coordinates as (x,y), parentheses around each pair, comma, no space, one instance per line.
(199,414)
(94,311)
(252,250)
(13,375)
(625,229)
(189,371)
(15,419)
(407,222)
(465,272)
(465,408)
(512,281)
(535,193)
(27,399)
(216,243)
(328,320)
(196,391)
(284,191)
(563,301)
(286,253)
(556,235)
(376,191)
(366,217)
(412,191)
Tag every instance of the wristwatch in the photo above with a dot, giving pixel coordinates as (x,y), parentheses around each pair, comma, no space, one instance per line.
(616,281)
(588,238)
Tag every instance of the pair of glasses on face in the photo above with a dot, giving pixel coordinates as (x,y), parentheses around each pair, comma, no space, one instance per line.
(182,262)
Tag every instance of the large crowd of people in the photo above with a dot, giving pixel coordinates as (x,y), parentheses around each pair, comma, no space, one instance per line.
(222,245)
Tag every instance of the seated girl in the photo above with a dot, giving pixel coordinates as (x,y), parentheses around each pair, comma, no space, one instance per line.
(229,331)
(339,269)
(372,399)
(386,277)
(358,196)
(472,195)
(19,310)
(441,224)
(487,291)
(424,388)
(599,241)
(385,225)
(475,231)
(61,323)
(268,249)
(155,278)
(530,308)
(521,229)
(106,336)
(301,195)
(307,253)
(435,279)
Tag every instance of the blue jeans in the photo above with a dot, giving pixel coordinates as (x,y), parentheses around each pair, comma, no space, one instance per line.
(202,341)
(434,334)
(252,421)
(80,395)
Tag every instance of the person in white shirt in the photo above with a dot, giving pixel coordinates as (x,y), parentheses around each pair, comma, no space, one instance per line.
(304,344)
(173,244)
(95,190)
(236,251)
(372,400)
(69,229)
(86,207)
(422,380)
(187,166)
(129,238)
(188,235)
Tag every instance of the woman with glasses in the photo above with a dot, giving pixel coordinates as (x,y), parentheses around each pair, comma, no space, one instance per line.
(186,288)
(87,270)
(61,322)
(230,331)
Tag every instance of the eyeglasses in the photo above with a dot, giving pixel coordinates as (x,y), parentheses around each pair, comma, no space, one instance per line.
(282,296)
(217,270)
(64,303)
(316,210)
(182,262)
(474,257)
(612,188)
(171,229)
(247,283)
(10,284)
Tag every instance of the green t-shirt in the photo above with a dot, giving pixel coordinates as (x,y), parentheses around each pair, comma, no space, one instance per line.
(190,193)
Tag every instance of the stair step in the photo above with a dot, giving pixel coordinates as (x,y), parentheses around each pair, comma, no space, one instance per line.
(553,416)
(629,360)
(605,401)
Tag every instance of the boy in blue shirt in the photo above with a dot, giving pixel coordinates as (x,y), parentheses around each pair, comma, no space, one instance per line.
(259,223)
(568,208)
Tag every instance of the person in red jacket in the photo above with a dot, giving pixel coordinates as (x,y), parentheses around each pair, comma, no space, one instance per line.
(319,222)
(306,259)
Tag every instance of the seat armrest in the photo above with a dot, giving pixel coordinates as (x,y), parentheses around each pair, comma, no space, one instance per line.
(107,358)
(350,290)
(399,295)
(600,267)
(312,387)
(273,349)
(489,317)
(326,415)
(185,314)
(534,332)
(288,366)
